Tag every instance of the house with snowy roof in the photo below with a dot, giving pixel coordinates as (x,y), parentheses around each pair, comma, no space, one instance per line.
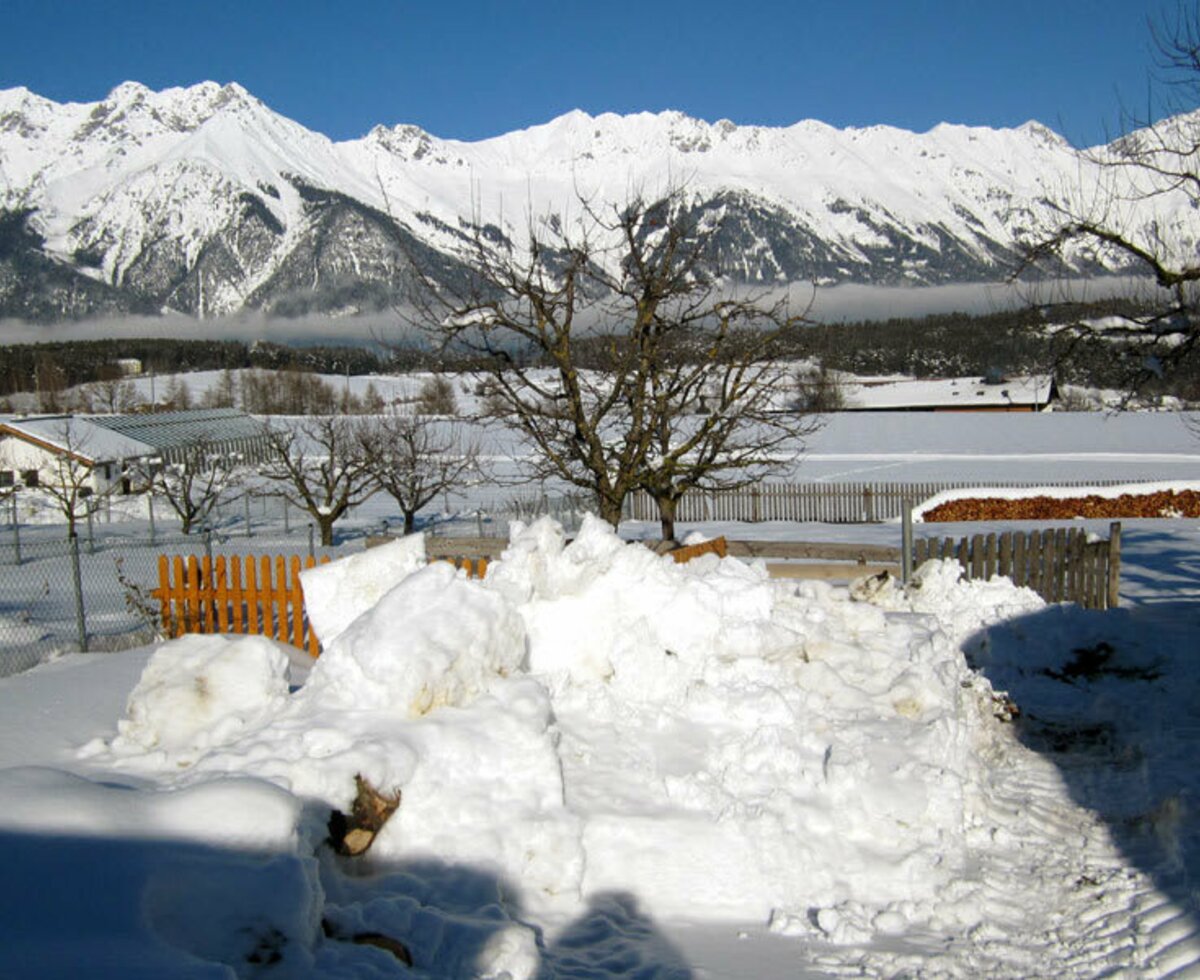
(119,448)
(34,449)
(994,393)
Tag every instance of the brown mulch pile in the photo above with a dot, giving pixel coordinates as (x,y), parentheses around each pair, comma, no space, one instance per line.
(1166,503)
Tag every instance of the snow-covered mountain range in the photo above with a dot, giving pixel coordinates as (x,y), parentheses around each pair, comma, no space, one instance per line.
(203,200)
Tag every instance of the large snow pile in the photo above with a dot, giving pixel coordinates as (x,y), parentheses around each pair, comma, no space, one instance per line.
(592,720)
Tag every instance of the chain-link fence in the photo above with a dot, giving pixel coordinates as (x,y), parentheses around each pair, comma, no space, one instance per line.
(93,593)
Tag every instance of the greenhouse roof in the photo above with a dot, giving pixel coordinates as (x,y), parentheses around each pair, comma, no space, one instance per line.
(169,430)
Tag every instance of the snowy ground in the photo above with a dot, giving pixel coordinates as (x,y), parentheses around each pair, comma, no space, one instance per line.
(615,766)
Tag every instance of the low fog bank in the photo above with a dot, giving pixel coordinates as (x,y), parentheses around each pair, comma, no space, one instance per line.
(852,302)
(366,330)
(828,304)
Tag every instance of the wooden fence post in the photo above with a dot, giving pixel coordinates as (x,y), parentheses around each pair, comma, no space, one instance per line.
(1114,565)
(906,545)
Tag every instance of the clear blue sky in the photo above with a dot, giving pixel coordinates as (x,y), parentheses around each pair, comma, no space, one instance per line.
(472,69)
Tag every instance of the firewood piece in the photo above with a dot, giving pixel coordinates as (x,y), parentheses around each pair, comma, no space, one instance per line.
(352,835)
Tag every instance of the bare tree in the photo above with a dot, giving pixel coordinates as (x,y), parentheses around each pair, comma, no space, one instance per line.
(414,459)
(719,424)
(113,395)
(179,395)
(195,483)
(1142,215)
(223,394)
(320,464)
(819,390)
(614,347)
(436,397)
(50,381)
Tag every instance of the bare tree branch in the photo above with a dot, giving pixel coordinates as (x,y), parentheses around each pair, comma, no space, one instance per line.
(620,356)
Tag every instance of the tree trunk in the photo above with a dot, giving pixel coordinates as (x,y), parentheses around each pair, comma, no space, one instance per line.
(410,520)
(666,514)
(325,523)
(611,511)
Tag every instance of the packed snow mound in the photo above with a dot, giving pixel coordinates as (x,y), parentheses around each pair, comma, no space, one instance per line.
(939,589)
(595,719)
(338,593)
(199,691)
(239,812)
(434,639)
(599,609)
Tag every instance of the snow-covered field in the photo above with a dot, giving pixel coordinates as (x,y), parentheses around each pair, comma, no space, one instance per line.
(611,765)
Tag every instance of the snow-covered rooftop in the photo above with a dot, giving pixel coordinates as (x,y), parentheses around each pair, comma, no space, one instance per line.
(75,434)
(168,430)
(953,393)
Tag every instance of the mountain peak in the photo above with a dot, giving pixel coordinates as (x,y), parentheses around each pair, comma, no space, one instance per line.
(203,199)
(128,92)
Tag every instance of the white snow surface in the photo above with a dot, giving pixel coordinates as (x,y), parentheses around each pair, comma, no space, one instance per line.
(603,754)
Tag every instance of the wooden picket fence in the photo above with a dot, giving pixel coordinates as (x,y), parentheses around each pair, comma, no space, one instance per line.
(1060,564)
(255,596)
(828,503)
(248,595)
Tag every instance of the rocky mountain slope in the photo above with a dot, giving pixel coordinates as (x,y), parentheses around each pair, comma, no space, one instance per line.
(202,200)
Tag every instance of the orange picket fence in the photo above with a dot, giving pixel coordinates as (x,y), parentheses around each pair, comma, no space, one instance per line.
(474,567)
(253,596)
(236,595)
(262,596)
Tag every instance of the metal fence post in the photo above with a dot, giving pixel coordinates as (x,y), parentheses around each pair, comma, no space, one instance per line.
(16,532)
(286,528)
(208,545)
(150,512)
(91,535)
(77,576)
(246,502)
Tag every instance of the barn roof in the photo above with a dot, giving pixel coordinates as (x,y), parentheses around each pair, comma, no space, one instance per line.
(77,435)
(170,430)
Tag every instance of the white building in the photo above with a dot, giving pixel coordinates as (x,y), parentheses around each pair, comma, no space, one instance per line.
(991,394)
(40,450)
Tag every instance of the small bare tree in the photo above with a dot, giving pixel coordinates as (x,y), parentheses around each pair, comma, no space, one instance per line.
(320,464)
(602,341)
(414,459)
(437,397)
(195,483)
(179,395)
(819,390)
(112,395)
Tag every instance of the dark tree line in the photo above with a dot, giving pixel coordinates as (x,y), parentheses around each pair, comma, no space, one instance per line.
(942,345)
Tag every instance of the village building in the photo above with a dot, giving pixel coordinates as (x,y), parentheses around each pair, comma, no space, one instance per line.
(34,450)
(223,431)
(993,393)
(120,451)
